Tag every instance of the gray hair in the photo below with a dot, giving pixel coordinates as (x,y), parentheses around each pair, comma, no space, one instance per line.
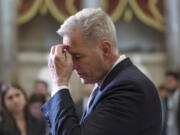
(95,24)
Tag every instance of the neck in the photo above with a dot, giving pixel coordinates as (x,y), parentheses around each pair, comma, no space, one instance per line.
(110,64)
(112,61)
(19,116)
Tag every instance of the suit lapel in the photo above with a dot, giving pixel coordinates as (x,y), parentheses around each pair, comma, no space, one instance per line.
(115,71)
(93,104)
(83,116)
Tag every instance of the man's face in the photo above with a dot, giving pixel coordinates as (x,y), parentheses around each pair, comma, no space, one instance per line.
(171,83)
(88,61)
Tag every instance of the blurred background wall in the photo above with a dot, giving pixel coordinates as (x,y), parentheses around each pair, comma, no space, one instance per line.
(148,32)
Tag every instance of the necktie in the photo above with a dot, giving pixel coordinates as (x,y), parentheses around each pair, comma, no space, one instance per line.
(92,97)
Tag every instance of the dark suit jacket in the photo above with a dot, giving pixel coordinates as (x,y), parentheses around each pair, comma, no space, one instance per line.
(36,127)
(126,104)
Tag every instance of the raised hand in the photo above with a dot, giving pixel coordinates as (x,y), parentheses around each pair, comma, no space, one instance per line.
(60,65)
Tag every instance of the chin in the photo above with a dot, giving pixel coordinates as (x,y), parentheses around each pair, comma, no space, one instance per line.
(86,81)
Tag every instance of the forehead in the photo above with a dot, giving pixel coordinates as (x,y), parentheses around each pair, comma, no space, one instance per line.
(75,44)
(169,77)
(37,103)
(74,39)
(12,91)
(67,40)
(40,84)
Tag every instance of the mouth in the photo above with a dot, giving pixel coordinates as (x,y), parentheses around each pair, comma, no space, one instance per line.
(81,75)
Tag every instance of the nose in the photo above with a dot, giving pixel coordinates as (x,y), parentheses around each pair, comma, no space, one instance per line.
(15,99)
(75,65)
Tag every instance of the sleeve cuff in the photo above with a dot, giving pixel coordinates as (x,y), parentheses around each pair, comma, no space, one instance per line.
(58,88)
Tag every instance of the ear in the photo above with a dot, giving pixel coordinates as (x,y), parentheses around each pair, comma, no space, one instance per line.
(106,48)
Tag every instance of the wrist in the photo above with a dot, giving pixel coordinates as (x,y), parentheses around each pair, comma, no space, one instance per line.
(61,82)
(58,88)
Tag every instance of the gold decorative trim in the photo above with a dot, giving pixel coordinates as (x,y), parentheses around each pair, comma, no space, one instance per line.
(128,15)
(118,11)
(104,4)
(60,17)
(71,7)
(142,16)
(31,13)
(155,11)
(43,9)
(19,3)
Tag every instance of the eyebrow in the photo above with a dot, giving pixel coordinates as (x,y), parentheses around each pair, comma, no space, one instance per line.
(73,54)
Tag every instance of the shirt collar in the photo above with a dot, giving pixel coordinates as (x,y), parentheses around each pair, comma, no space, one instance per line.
(85,102)
(121,58)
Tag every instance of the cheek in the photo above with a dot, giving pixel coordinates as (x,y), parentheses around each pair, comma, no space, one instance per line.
(8,104)
(171,84)
(23,101)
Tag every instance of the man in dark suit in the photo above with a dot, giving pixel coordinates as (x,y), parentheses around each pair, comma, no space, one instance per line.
(124,102)
(171,83)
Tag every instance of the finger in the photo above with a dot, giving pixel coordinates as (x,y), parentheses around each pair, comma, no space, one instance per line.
(50,64)
(51,56)
(52,50)
(66,47)
(59,50)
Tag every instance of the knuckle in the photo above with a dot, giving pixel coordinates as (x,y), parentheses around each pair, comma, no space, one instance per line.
(52,47)
(56,57)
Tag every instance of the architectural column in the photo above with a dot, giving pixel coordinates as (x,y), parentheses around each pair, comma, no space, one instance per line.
(91,3)
(172,10)
(0,39)
(8,41)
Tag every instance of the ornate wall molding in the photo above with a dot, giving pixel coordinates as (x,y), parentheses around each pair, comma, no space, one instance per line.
(27,10)
(143,10)
(149,12)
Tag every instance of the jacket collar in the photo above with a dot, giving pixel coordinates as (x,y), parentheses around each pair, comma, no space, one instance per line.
(121,58)
(115,71)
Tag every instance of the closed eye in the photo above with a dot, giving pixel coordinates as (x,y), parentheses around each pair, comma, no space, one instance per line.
(76,56)
(17,95)
(10,97)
